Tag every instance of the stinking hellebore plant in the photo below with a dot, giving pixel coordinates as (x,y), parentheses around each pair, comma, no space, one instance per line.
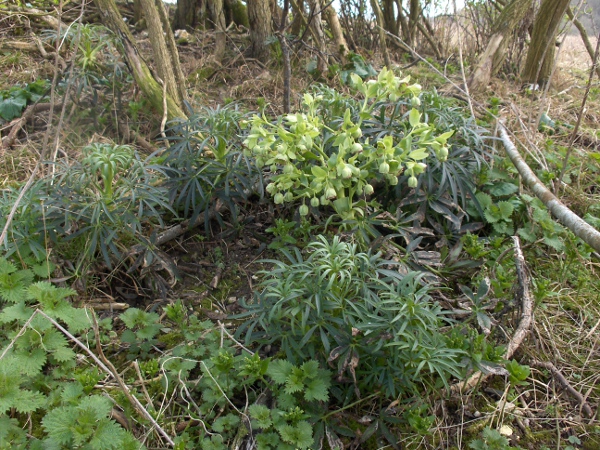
(321,163)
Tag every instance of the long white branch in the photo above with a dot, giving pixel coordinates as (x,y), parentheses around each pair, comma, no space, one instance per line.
(564,215)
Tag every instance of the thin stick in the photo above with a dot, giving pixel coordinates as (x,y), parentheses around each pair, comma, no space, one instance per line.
(522,329)
(566,385)
(115,374)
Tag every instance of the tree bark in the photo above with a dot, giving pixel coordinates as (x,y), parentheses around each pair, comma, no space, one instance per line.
(318,34)
(337,32)
(259,18)
(167,64)
(540,57)
(490,61)
(144,78)
(389,20)
(185,15)
(217,17)
(381,30)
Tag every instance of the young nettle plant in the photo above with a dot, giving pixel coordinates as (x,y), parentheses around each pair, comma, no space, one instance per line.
(329,162)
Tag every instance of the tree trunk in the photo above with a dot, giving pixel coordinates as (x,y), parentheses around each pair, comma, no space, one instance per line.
(336,30)
(137,11)
(299,20)
(235,12)
(259,18)
(491,59)
(185,15)
(318,34)
(167,65)
(151,88)
(380,29)
(217,17)
(414,16)
(389,20)
(540,57)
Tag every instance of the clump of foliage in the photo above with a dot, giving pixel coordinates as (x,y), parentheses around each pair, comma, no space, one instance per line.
(37,366)
(204,163)
(14,100)
(346,307)
(321,155)
(102,204)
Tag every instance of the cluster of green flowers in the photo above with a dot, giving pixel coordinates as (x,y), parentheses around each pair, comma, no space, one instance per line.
(333,163)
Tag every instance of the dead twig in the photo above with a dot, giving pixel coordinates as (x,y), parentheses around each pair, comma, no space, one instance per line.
(17,124)
(586,408)
(522,330)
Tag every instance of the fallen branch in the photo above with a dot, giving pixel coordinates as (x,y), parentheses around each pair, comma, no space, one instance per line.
(178,230)
(568,218)
(17,124)
(524,325)
(585,407)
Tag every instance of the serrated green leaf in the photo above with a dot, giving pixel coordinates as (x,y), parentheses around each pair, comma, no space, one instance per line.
(299,435)
(555,242)
(528,235)
(310,369)
(280,370)
(261,415)
(506,209)
(484,199)
(316,389)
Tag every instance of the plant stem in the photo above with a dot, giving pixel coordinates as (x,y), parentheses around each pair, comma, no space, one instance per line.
(357,402)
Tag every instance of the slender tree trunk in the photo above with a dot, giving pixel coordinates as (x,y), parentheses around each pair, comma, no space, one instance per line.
(167,65)
(381,30)
(337,32)
(491,59)
(540,56)
(217,17)
(299,20)
(259,17)
(137,11)
(318,34)
(413,21)
(185,15)
(151,88)
(403,23)
(180,80)
(389,20)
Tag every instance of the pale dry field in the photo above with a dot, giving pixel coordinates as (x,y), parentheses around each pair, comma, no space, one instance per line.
(573,54)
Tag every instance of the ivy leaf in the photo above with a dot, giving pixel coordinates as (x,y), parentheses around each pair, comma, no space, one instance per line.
(280,370)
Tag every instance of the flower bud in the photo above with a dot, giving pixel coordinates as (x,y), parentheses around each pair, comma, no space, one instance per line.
(314,202)
(278,199)
(330,193)
(356,147)
(392,180)
(412,182)
(443,154)
(303,210)
(384,167)
(346,172)
(357,133)
(271,188)
(324,200)
(415,101)
(369,189)
(288,197)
